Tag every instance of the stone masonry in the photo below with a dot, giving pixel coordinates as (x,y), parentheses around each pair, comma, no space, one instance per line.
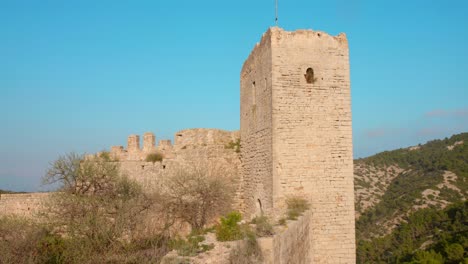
(191,146)
(296,135)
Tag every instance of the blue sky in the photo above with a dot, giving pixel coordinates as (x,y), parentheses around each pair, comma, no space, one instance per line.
(82,75)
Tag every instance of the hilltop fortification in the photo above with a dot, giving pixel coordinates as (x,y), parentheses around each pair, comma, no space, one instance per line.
(295,140)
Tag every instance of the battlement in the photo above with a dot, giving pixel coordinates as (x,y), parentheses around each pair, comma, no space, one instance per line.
(184,140)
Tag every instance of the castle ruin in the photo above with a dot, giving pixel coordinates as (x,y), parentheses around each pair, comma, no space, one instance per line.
(296,140)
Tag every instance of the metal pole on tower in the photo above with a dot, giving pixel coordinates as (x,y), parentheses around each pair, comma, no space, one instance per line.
(276,12)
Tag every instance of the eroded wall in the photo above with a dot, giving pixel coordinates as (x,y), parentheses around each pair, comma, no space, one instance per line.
(291,245)
(199,147)
(27,205)
(193,147)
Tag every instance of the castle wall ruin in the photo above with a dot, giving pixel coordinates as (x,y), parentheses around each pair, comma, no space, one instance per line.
(26,205)
(191,146)
(296,141)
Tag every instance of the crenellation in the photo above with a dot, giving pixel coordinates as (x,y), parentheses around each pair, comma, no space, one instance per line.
(149,143)
(165,144)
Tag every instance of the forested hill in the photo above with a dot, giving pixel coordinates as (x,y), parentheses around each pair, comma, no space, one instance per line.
(405,198)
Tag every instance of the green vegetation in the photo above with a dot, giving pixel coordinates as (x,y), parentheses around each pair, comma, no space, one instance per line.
(429,236)
(197,194)
(100,216)
(248,252)
(432,156)
(235,145)
(425,167)
(263,227)
(105,155)
(296,206)
(191,246)
(154,157)
(397,200)
(229,228)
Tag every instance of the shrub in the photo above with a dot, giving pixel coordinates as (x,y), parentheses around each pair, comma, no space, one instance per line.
(235,145)
(454,252)
(429,257)
(18,240)
(282,221)
(52,248)
(190,246)
(105,156)
(153,157)
(199,193)
(262,226)
(100,212)
(229,229)
(296,206)
(248,252)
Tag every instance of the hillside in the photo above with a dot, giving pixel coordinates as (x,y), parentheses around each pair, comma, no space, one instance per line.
(393,188)
(7,192)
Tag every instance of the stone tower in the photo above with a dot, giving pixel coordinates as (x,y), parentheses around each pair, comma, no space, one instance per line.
(296,135)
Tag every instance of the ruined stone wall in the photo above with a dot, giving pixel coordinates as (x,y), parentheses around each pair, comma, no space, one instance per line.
(22,204)
(198,146)
(192,146)
(291,245)
(256,130)
(309,141)
(203,137)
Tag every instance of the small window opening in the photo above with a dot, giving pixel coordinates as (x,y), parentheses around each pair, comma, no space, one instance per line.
(164,167)
(259,207)
(309,76)
(254,93)
(142,167)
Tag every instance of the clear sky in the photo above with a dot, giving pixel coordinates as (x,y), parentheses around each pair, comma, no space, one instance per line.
(83,75)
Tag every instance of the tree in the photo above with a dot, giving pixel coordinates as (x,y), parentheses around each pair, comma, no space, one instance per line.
(199,192)
(95,206)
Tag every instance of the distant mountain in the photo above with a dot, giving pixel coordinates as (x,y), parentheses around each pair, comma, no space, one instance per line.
(394,188)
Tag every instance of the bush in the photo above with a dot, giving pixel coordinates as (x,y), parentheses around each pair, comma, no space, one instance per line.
(229,229)
(296,206)
(235,145)
(18,240)
(105,156)
(153,157)
(454,252)
(282,221)
(101,213)
(199,193)
(262,226)
(248,252)
(52,248)
(190,246)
